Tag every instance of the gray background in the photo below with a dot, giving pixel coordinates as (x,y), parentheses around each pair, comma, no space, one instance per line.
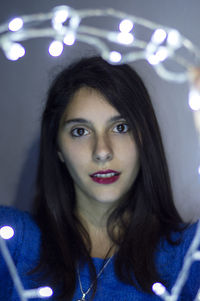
(23,86)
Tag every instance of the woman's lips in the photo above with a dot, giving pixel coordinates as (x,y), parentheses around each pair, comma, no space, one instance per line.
(105,176)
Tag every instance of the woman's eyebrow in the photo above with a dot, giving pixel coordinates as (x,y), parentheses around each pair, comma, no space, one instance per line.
(86,121)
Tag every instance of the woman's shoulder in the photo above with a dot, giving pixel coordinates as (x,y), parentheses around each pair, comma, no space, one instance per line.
(26,232)
(17,219)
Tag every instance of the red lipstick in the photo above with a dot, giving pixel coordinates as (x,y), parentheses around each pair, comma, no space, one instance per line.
(111,176)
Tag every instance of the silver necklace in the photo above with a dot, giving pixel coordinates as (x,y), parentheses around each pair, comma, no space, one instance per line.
(98,275)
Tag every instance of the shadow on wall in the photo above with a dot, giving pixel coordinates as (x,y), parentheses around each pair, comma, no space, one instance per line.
(26,187)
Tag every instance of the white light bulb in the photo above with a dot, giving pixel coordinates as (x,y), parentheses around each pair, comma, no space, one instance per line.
(15,24)
(194,100)
(199,170)
(45,291)
(60,16)
(159,36)
(161,53)
(15,51)
(69,39)
(115,56)
(6,232)
(153,59)
(126,26)
(158,289)
(174,39)
(125,38)
(56,48)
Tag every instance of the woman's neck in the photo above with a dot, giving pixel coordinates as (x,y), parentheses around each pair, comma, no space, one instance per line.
(94,221)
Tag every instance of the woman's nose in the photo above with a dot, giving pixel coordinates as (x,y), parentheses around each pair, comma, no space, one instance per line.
(102,150)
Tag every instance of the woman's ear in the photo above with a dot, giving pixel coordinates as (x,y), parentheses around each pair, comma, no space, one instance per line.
(60,155)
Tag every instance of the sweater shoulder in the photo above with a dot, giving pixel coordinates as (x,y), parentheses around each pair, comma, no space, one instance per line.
(26,231)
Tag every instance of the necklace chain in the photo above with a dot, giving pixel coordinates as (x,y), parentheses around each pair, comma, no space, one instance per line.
(98,275)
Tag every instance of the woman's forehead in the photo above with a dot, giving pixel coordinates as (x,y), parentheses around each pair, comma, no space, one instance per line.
(88,102)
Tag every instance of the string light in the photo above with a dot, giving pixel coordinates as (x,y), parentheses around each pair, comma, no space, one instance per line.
(192,255)
(174,39)
(125,38)
(115,57)
(194,99)
(56,48)
(162,45)
(198,296)
(42,292)
(69,39)
(16,24)
(15,51)
(159,289)
(45,292)
(68,32)
(126,26)
(6,232)
(60,15)
(159,36)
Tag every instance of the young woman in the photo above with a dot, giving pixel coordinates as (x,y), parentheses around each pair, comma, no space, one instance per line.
(105,225)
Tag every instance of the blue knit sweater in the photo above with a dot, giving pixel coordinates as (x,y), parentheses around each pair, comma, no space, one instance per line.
(25,249)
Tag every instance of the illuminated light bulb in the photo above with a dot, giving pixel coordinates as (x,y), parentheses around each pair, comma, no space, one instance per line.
(69,39)
(115,56)
(56,48)
(45,291)
(174,39)
(126,26)
(125,38)
(159,36)
(15,51)
(199,170)
(194,100)
(159,56)
(60,16)
(162,53)
(158,289)
(16,24)
(153,59)
(6,232)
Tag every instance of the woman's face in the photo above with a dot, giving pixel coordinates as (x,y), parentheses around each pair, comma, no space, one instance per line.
(98,148)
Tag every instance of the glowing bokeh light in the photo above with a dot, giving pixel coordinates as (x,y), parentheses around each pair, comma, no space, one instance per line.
(60,16)
(15,52)
(15,24)
(194,100)
(6,232)
(159,36)
(126,26)
(115,56)
(125,38)
(158,288)
(69,39)
(56,48)
(174,39)
(45,291)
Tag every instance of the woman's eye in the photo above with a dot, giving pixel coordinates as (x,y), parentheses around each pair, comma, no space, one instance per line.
(121,128)
(78,132)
